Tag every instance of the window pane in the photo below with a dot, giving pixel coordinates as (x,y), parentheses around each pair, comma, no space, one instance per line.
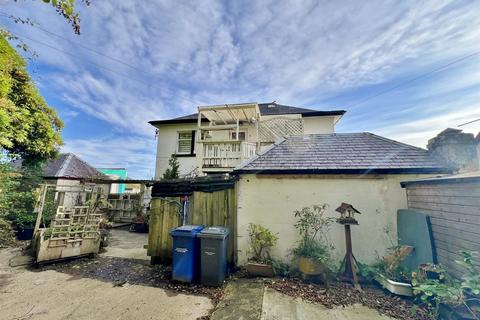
(184,142)
(185,135)
(241,136)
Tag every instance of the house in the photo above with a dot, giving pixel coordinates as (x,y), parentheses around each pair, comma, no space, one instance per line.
(287,158)
(218,138)
(359,168)
(69,174)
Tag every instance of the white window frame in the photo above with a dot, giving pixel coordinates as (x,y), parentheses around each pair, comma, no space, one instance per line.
(177,151)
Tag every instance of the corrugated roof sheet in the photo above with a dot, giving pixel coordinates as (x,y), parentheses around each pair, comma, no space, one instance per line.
(343,152)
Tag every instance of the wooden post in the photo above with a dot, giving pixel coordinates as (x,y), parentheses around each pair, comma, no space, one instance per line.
(349,264)
(39,206)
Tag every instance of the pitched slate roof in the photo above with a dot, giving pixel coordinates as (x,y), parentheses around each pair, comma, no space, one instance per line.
(68,165)
(356,153)
(266,109)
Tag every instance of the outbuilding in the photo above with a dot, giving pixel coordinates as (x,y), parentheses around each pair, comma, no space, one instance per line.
(362,169)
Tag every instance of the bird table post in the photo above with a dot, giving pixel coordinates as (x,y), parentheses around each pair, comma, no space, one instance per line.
(348,269)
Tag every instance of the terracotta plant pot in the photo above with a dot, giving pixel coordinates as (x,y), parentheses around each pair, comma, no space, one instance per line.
(310,267)
(399,288)
(260,269)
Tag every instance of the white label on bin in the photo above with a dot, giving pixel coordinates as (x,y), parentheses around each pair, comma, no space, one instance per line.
(209,253)
(181,250)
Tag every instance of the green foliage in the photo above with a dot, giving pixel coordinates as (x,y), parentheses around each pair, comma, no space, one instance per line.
(396,273)
(18,194)
(283,269)
(390,265)
(313,225)
(172,170)
(261,241)
(445,290)
(66,8)
(471,279)
(29,128)
(6,233)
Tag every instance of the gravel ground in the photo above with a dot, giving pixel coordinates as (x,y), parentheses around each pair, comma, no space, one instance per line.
(340,294)
(120,271)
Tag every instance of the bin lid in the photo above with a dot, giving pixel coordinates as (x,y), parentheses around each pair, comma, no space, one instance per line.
(217,232)
(186,231)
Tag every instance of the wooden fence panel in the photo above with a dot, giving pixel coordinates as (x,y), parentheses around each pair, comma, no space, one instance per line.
(454,211)
(217,208)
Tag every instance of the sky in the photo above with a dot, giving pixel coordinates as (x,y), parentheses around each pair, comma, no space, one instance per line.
(405,70)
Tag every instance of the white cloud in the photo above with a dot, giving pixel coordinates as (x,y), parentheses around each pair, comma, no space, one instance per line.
(187,54)
(135,153)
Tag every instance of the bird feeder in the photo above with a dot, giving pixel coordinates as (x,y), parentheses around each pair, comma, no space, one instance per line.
(347,214)
(349,267)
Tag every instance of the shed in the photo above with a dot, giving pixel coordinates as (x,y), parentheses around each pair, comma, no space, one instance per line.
(362,169)
(453,204)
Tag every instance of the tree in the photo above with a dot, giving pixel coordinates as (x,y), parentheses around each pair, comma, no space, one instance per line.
(172,170)
(66,8)
(29,128)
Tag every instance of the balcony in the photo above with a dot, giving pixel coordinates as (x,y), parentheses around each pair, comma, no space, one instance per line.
(223,156)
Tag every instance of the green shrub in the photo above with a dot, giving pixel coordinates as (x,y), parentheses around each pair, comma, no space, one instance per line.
(446,290)
(261,241)
(6,233)
(313,225)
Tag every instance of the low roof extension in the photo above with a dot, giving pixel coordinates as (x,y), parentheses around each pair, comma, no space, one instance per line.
(266,109)
(342,153)
(69,166)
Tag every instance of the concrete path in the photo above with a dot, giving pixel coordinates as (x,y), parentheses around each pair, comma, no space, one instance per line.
(247,299)
(242,300)
(52,295)
(278,306)
(126,244)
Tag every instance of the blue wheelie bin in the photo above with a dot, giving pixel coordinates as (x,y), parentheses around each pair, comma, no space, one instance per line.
(186,253)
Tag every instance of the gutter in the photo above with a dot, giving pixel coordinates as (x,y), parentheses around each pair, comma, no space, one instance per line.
(345,171)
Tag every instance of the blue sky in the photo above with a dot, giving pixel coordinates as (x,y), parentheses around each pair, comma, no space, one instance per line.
(176,55)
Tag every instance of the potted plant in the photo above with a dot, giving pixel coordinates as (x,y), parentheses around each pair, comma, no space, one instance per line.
(388,270)
(313,250)
(449,297)
(261,241)
(25,223)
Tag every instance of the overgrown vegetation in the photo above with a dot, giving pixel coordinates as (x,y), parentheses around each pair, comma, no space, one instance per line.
(29,130)
(449,291)
(313,225)
(172,171)
(262,241)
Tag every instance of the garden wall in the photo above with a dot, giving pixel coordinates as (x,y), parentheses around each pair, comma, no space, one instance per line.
(271,199)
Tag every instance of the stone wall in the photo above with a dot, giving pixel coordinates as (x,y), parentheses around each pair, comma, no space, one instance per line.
(460,150)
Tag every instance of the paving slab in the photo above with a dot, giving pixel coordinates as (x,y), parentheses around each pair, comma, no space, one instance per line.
(278,306)
(126,244)
(242,300)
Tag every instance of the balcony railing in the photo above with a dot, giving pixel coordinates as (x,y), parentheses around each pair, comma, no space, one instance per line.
(226,155)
